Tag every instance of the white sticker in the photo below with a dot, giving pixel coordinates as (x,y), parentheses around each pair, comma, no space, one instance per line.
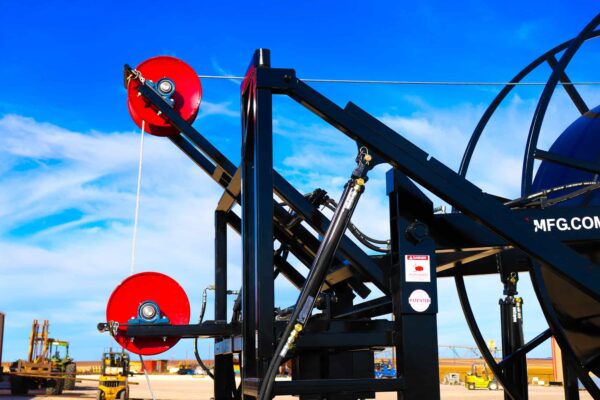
(419,300)
(417,268)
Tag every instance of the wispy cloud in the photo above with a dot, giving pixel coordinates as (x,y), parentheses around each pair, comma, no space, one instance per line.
(527,31)
(222,71)
(70,265)
(224,109)
(67,200)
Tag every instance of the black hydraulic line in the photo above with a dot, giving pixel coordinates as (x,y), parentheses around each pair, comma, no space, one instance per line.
(200,362)
(366,242)
(530,199)
(317,198)
(237,307)
(364,239)
(351,226)
(314,281)
(572,195)
(200,319)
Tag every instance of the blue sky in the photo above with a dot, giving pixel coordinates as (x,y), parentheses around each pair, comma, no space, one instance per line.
(68,148)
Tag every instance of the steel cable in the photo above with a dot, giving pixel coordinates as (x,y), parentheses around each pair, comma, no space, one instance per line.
(420,83)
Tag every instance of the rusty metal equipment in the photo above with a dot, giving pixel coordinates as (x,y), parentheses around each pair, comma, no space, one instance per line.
(551,232)
(45,366)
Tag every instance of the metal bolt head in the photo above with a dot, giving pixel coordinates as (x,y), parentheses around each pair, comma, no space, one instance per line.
(148,311)
(417,231)
(165,86)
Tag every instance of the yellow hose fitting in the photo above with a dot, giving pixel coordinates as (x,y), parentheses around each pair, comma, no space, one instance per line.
(360,182)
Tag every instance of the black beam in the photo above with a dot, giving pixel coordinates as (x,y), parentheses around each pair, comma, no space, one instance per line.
(367,309)
(207,329)
(305,244)
(527,347)
(257,223)
(289,272)
(413,293)
(449,186)
(570,382)
(228,345)
(459,231)
(353,340)
(220,266)
(358,258)
(569,87)
(587,166)
(230,196)
(338,386)
(190,144)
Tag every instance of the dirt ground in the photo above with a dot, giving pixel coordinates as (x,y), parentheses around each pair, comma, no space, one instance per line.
(175,387)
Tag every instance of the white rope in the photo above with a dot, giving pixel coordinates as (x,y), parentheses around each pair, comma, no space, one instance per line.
(135,229)
(137,201)
(146,374)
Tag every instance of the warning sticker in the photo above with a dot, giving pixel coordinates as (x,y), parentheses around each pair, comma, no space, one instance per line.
(419,300)
(417,268)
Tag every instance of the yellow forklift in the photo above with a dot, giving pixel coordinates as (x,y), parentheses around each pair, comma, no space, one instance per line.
(480,378)
(113,383)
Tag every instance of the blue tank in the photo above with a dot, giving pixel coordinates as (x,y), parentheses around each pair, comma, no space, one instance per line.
(581,141)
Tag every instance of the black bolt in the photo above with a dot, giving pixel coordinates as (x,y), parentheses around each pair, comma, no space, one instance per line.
(417,231)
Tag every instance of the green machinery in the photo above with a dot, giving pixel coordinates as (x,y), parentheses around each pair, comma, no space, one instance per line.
(48,364)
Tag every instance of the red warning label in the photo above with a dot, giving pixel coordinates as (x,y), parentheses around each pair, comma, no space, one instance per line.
(417,268)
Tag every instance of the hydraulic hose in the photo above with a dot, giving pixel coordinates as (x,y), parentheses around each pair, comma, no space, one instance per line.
(368,241)
(321,263)
(200,319)
(529,200)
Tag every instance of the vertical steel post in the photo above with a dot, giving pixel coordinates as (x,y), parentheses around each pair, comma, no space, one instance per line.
(257,222)
(570,381)
(413,288)
(220,266)
(224,379)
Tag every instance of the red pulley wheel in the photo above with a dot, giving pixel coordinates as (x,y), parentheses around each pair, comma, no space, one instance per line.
(186,97)
(143,287)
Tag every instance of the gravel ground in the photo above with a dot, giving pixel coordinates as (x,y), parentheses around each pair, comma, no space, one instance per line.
(175,387)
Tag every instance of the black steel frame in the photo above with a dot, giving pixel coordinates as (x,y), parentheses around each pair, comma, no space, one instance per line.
(485,227)
(572,367)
